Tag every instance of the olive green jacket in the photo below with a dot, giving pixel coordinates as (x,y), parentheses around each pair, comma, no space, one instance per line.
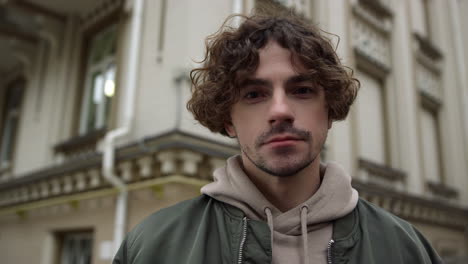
(204,230)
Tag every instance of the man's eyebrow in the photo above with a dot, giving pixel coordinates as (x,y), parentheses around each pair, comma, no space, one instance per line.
(255,81)
(298,79)
(262,82)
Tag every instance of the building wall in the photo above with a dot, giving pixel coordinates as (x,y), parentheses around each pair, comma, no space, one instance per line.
(38,229)
(171,44)
(173,40)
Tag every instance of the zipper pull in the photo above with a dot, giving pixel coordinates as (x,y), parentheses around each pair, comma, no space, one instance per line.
(329,251)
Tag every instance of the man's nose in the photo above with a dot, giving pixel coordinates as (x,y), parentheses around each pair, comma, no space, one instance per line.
(280,109)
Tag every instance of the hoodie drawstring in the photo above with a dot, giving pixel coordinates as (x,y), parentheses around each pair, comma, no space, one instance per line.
(270,223)
(304,211)
(305,243)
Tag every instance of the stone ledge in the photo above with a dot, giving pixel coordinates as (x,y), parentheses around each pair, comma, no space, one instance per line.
(429,101)
(414,208)
(383,171)
(441,189)
(80,143)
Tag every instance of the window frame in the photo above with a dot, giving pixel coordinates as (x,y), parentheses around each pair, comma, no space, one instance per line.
(112,19)
(14,84)
(90,69)
(64,236)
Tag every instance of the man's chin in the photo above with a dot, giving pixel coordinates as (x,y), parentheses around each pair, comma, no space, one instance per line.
(280,168)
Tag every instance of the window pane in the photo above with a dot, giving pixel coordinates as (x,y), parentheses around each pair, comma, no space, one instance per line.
(371,118)
(76,248)
(109,92)
(431,163)
(98,82)
(7,140)
(10,121)
(91,103)
(103,45)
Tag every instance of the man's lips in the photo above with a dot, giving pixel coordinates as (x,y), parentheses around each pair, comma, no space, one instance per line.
(279,139)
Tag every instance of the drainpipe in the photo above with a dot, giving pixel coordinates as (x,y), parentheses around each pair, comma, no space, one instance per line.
(108,160)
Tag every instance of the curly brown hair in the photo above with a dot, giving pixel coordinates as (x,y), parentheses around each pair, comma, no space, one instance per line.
(232,56)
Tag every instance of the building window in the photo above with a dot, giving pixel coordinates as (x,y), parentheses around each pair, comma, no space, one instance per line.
(371,118)
(430,145)
(76,248)
(10,120)
(100,81)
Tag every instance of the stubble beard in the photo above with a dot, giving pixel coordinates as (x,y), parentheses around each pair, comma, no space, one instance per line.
(286,161)
(288,166)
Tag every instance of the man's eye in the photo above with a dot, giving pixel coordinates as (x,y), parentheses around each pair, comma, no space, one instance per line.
(304,90)
(252,95)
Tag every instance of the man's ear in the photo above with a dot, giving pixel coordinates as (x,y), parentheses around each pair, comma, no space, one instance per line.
(230,129)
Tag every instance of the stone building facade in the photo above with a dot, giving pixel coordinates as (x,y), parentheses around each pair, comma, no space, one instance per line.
(94,135)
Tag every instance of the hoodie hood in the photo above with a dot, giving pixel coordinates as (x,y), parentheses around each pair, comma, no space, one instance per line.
(334,199)
(309,223)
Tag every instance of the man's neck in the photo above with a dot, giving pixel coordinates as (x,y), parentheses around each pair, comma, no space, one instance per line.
(287,192)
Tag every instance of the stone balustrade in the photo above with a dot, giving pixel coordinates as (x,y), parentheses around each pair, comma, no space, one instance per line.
(139,167)
(182,160)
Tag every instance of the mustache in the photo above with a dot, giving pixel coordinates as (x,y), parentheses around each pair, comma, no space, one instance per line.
(282,128)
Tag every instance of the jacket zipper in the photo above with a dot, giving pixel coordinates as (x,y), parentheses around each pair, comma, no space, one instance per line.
(329,251)
(244,236)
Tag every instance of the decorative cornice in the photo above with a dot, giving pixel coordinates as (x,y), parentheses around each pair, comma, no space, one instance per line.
(427,47)
(378,7)
(373,20)
(370,65)
(429,101)
(379,170)
(442,190)
(81,143)
(105,9)
(371,43)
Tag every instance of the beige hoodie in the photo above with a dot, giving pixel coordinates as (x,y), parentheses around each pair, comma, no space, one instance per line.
(302,234)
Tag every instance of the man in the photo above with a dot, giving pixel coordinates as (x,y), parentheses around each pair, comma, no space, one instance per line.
(275,84)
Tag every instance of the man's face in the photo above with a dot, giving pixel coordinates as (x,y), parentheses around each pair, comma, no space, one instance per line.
(281,119)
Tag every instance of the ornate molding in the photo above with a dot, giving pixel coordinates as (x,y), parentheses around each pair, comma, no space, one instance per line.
(428,83)
(427,71)
(371,43)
